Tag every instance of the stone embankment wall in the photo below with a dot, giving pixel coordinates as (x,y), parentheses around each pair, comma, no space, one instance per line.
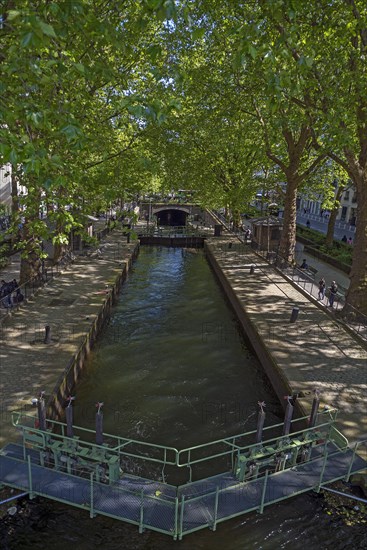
(67,381)
(278,381)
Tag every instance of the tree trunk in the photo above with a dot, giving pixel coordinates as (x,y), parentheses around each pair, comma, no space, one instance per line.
(288,238)
(357,292)
(14,205)
(30,264)
(14,192)
(236,218)
(334,212)
(331,227)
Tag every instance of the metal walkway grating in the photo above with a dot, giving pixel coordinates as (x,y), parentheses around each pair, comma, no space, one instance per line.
(168,509)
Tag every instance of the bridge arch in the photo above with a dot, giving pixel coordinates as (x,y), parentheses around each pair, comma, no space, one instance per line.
(171,215)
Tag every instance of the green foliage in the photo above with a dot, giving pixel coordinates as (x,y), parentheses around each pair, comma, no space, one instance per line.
(100,101)
(339,250)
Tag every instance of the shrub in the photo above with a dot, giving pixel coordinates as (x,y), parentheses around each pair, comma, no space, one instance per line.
(339,250)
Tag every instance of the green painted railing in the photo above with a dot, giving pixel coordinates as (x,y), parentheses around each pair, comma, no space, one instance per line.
(169,456)
(176,504)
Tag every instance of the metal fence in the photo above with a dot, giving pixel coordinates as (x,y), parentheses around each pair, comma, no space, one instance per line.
(172,510)
(305,279)
(23,292)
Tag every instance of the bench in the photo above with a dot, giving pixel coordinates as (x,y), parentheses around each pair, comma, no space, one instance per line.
(310,271)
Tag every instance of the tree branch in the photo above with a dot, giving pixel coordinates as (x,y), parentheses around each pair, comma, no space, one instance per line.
(114,155)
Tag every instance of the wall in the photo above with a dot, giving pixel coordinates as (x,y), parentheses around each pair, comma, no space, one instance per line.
(68,379)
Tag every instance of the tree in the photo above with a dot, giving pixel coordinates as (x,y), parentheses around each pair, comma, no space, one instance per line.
(325,44)
(69,71)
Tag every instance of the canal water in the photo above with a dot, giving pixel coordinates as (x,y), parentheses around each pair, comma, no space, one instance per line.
(172,368)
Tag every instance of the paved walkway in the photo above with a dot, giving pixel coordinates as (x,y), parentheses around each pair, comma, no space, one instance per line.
(70,305)
(325,270)
(314,352)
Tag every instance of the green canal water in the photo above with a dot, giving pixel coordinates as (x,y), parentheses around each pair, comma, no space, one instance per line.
(172,368)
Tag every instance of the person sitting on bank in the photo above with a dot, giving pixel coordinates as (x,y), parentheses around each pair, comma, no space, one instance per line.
(248,233)
(304,264)
(344,239)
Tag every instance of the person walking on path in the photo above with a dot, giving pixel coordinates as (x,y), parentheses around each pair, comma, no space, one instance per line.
(333,290)
(322,288)
(308,223)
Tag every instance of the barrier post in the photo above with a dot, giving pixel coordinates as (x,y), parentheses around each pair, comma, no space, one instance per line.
(30,483)
(181,517)
(216,509)
(91,513)
(176,519)
(261,509)
(322,471)
(141,522)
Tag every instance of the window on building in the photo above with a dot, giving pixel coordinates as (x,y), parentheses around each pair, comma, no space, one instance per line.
(354,199)
(346,196)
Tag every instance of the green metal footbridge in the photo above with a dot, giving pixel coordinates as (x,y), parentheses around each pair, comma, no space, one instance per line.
(92,470)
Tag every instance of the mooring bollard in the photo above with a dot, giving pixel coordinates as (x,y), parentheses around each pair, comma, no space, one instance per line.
(315,408)
(47,339)
(69,417)
(294,315)
(252,269)
(260,421)
(288,416)
(99,424)
(41,406)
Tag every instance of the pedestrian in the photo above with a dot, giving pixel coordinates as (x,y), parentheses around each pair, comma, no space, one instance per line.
(332,293)
(5,293)
(322,288)
(304,264)
(308,224)
(344,239)
(350,241)
(3,287)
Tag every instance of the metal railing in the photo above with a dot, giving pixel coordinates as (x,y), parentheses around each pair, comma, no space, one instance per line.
(262,494)
(166,455)
(171,231)
(352,317)
(177,511)
(339,224)
(23,292)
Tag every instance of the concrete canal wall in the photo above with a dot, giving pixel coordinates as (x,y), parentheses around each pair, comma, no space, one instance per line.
(67,380)
(279,382)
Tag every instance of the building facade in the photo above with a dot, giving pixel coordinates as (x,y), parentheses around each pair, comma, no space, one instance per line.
(5,187)
(347,211)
